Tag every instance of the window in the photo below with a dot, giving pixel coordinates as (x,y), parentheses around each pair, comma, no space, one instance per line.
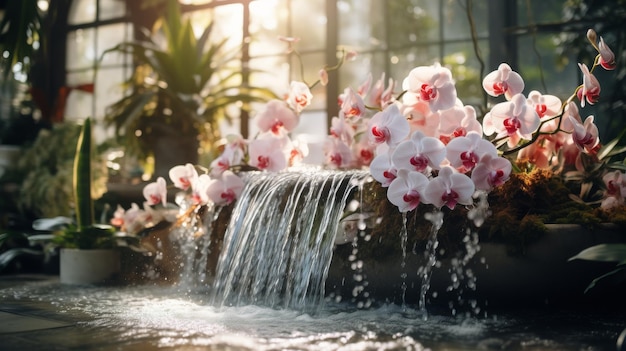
(391,37)
(93,27)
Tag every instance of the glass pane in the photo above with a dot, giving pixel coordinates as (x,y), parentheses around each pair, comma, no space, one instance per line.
(108,37)
(273,73)
(108,88)
(411,21)
(361,24)
(228,23)
(403,61)
(111,9)
(79,103)
(461,60)
(268,21)
(455,22)
(309,24)
(81,51)
(539,70)
(82,11)
(354,73)
(545,11)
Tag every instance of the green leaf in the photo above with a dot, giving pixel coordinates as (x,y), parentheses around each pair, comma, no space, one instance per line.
(603,253)
(604,276)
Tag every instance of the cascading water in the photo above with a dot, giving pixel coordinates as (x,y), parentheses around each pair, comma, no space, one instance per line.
(278,246)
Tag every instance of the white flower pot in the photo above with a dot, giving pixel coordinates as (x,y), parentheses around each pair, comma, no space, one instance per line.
(89,266)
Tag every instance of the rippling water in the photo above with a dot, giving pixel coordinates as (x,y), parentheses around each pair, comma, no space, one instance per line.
(176,318)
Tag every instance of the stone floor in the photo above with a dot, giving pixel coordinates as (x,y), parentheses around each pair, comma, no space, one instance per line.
(29,325)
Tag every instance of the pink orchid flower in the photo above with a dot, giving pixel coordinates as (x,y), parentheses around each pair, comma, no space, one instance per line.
(420,117)
(183,176)
(615,183)
(353,106)
(299,96)
(231,156)
(341,129)
(419,153)
(585,135)
(383,170)
(323,76)
(607,57)
(277,117)
(267,154)
(503,81)
(156,192)
(515,119)
(388,126)
(465,152)
(590,90)
(433,85)
(448,189)
(491,172)
(538,153)
(406,190)
(458,121)
(199,195)
(570,110)
(226,189)
(363,88)
(337,153)
(380,95)
(545,105)
(363,152)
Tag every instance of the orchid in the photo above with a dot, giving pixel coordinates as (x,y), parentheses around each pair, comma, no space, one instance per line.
(515,119)
(224,190)
(420,153)
(352,105)
(465,152)
(406,190)
(183,176)
(156,192)
(431,84)
(503,81)
(491,172)
(299,96)
(590,89)
(388,126)
(383,170)
(267,154)
(277,118)
(449,188)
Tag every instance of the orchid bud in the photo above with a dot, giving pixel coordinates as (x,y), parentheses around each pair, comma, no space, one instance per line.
(592,37)
(607,58)
(323,74)
(351,55)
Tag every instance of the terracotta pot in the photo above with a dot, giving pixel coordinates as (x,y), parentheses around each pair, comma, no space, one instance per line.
(89,266)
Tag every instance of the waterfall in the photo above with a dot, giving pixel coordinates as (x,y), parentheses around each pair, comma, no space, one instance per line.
(279,243)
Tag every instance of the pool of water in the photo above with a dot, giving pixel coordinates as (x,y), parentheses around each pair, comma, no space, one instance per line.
(172,318)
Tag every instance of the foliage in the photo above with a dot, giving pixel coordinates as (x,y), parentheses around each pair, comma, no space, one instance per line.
(46,169)
(605,253)
(19,30)
(184,86)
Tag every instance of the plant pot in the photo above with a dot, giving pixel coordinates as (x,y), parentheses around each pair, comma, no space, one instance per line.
(89,266)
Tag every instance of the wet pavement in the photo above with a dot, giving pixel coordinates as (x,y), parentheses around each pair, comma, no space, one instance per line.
(31,324)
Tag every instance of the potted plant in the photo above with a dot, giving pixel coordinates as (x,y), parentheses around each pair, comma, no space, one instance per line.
(88,253)
(178,93)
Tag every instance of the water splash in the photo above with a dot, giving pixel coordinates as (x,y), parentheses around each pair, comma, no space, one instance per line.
(425,272)
(404,237)
(278,246)
(193,235)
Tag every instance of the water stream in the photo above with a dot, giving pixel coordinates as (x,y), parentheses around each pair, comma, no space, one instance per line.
(278,246)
